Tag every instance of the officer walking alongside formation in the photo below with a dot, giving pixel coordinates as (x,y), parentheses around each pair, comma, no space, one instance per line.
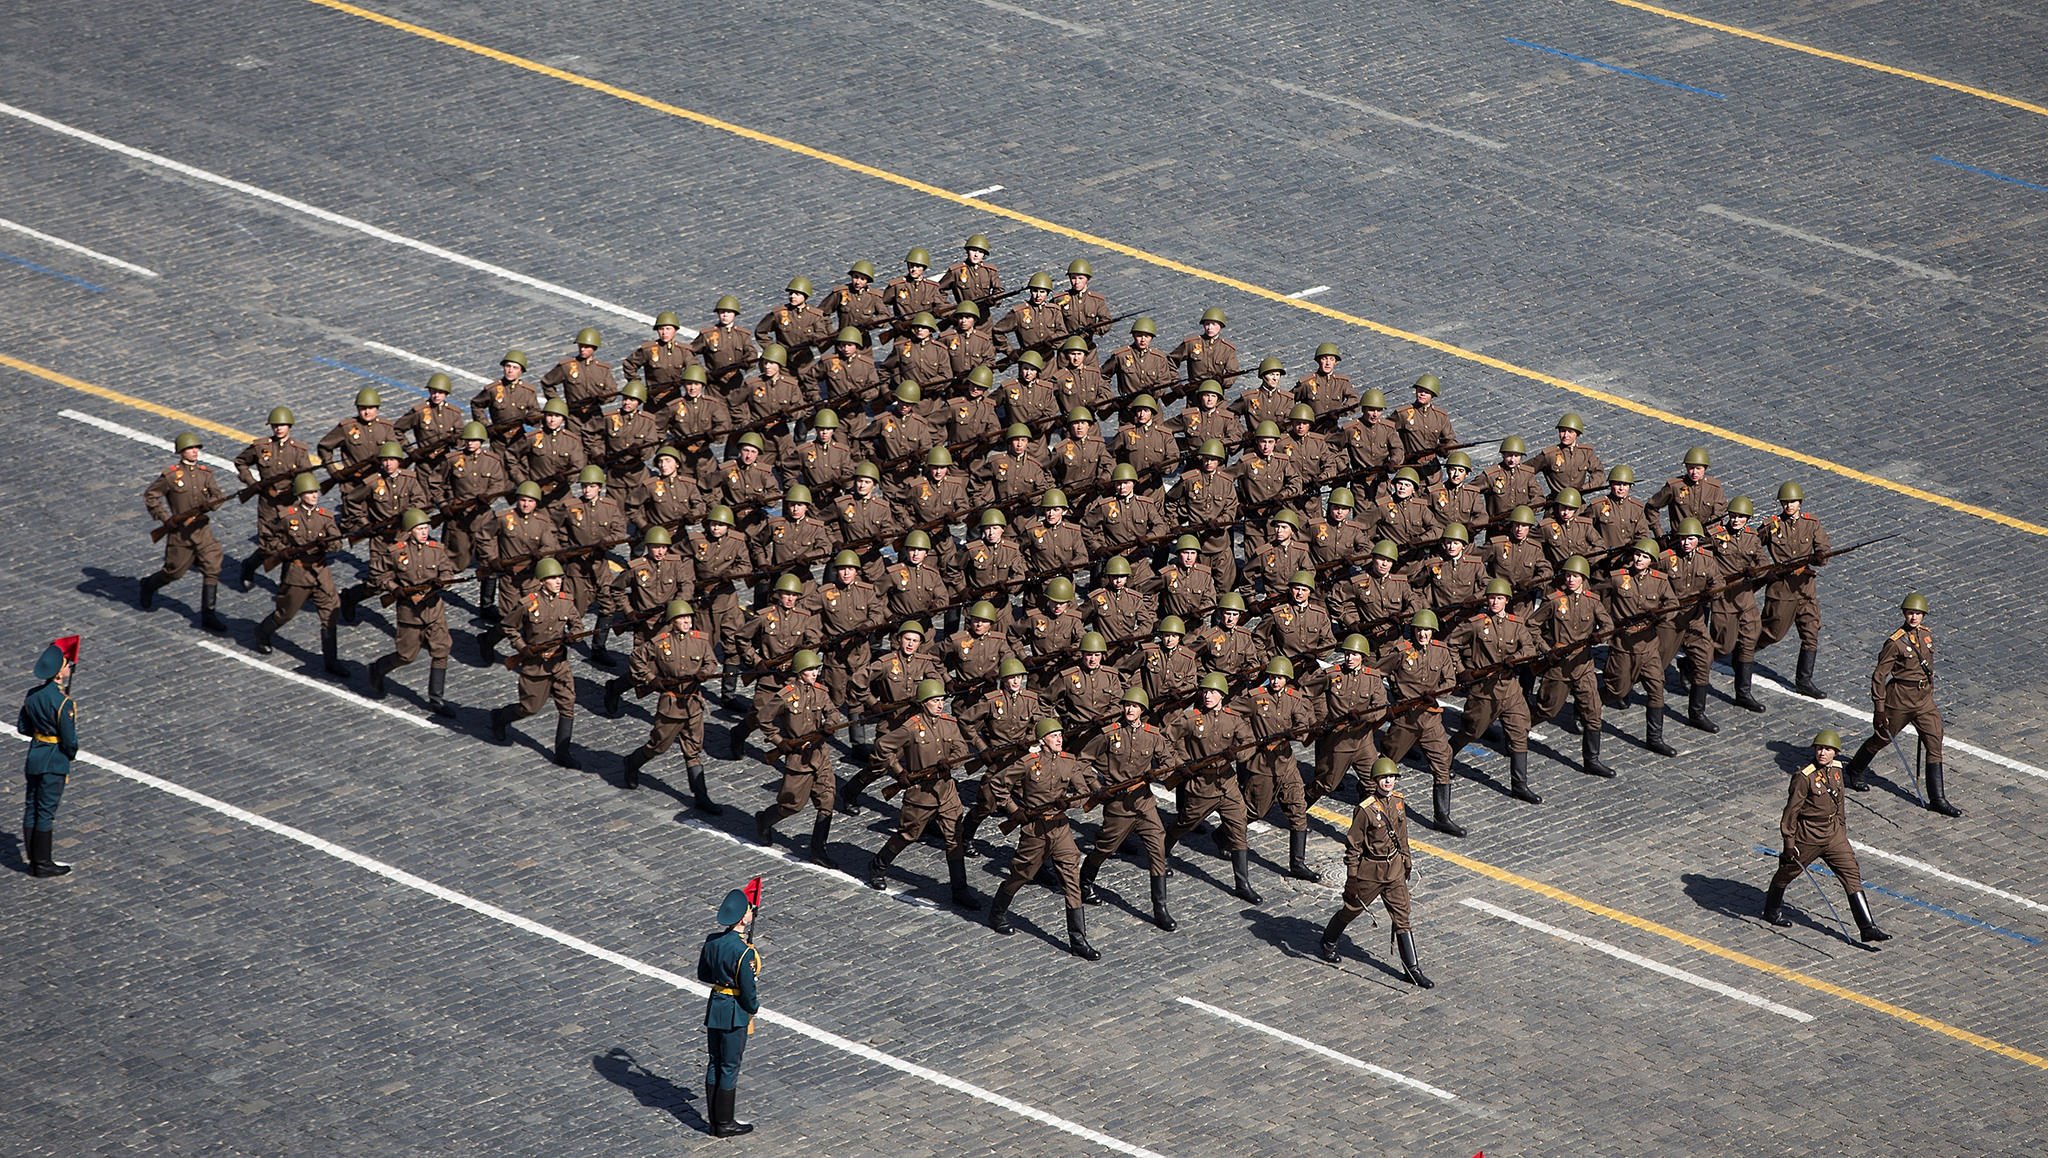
(49,721)
(1378,863)
(1815,825)
(731,966)
(1901,693)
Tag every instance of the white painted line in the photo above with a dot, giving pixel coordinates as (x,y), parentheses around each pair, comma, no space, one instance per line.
(74,247)
(629,964)
(1913,267)
(1310,292)
(1950,877)
(340,693)
(1387,115)
(144,437)
(983,192)
(893,892)
(1620,953)
(329,216)
(1326,1051)
(429,363)
(2002,761)
(1028,14)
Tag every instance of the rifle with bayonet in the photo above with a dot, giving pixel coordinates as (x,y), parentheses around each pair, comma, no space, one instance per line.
(411,591)
(544,649)
(187,520)
(309,552)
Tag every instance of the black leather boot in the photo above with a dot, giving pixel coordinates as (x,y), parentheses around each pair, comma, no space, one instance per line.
(1297,858)
(1854,774)
(565,728)
(247,577)
(1405,942)
(599,653)
(1160,916)
(728,1126)
(999,909)
(1745,688)
(849,793)
(1696,710)
(764,825)
(487,645)
(43,862)
(1653,733)
(1077,936)
(437,693)
(150,586)
(956,875)
(209,619)
(487,599)
(330,651)
(1803,682)
(1518,779)
(1090,866)
(1937,792)
(1866,929)
(1241,877)
(265,632)
(821,829)
(379,668)
(1327,950)
(501,720)
(1440,798)
(1774,908)
(635,760)
(1589,755)
(352,602)
(878,865)
(615,696)
(700,794)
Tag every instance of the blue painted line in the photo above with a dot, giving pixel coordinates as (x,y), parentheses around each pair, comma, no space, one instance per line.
(372,375)
(56,273)
(1930,906)
(1941,160)
(1572,56)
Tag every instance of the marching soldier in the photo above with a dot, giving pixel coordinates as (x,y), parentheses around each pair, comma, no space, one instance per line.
(596,522)
(1407,516)
(846,377)
(1207,354)
(1228,646)
(659,363)
(1145,443)
(1380,598)
(1208,735)
(1052,544)
(1621,519)
(1421,668)
(348,449)
(1339,537)
(725,349)
(372,512)
(304,536)
(916,586)
(760,403)
(49,722)
(923,361)
(673,664)
(473,478)
(1517,557)
(924,753)
(1692,494)
(911,294)
(1424,428)
(804,717)
(435,426)
(540,629)
(973,278)
(968,346)
(1639,597)
(1456,582)
(1074,379)
(1373,441)
(1186,587)
(859,304)
(1057,628)
(1036,791)
(1082,310)
(1279,713)
(1205,501)
(631,433)
(1737,621)
(886,689)
(1793,536)
(746,484)
(904,433)
(1089,691)
(1124,519)
(1000,722)
(1352,701)
(1326,391)
(1266,402)
(1492,642)
(1014,475)
(975,653)
(1128,750)
(1569,531)
(1571,463)
(975,419)
(729,965)
(991,568)
(1117,612)
(867,518)
(781,626)
(1378,863)
(552,455)
(1206,418)
(1035,325)
(667,497)
(508,546)
(718,558)
(1815,826)
(412,574)
(1138,368)
(1901,693)
(794,541)
(1300,628)
(1165,670)
(273,464)
(1028,398)
(509,405)
(1567,623)
(697,416)
(1512,482)
(1692,572)
(797,326)
(181,499)
(588,387)
(1456,502)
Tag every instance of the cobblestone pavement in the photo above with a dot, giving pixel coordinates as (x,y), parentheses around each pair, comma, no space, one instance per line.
(1778,249)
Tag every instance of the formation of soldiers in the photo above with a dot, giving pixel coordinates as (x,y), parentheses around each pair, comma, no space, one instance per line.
(1129,567)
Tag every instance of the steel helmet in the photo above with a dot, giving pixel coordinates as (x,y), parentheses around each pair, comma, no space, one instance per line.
(982,610)
(753,439)
(846,559)
(1384,767)
(412,517)
(1828,738)
(1577,565)
(1017,430)
(1407,475)
(1791,492)
(677,608)
(1457,533)
(1500,587)
(1031,358)
(390,450)
(587,336)
(667,318)
(185,441)
(938,456)
(1303,412)
(1145,402)
(1124,472)
(1458,458)
(1053,499)
(694,373)
(923,319)
(1280,665)
(1513,444)
(1046,726)
(281,416)
(1079,267)
(1137,696)
(1145,326)
(1386,549)
(1210,386)
(527,490)
(1074,342)
(556,406)
(438,383)
(549,568)
(515,357)
(475,432)
(1697,456)
(797,493)
(825,419)
(726,304)
(368,397)
(1266,429)
(304,483)
(1231,601)
(1212,448)
(917,541)
(1011,666)
(981,377)
(909,392)
(978,241)
(849,335)
(867,470)
(967,309)
(787,584)
(918,255)
(1424,619)
(1271,365)
(1571,421)
(1914,601)
(1374,399)
(775,352)
(1116,566)
(1216,681)
(1356,643)
(1343,497)
(1689,526)
(1187,543)
(1302,579)
(590,474)
(1215,314)
(1059,589)
(1040,280)
(993,518)
(799,285)
(657,537)
(1522,517)
(1080,414)
(1740,505)
(805,660)
(929,689)
(720,514)
(1569,498)
(1093,644)
(1329,350)
(1287,516)
(862,268)
(1431,383)
(1645,546)
(1621,473)
(1170,625)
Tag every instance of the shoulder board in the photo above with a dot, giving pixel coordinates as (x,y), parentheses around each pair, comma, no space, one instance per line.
(1899,634)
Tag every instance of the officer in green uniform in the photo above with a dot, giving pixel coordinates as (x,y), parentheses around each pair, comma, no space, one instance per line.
(50,722)
(729,964)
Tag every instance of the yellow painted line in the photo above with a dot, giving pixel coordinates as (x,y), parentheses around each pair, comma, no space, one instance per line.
(1838,57)
(1691,942)
(129,400)
(1167,263)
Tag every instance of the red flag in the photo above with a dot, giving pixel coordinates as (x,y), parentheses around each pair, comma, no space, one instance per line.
(753,892)
(68,645)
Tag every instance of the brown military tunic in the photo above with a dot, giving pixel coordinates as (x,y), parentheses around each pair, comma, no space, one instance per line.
(600,525)
(1082,463)
(434,431)
(1423,431)
(1300,631)
(1202,358)
(1410,523)
(862,308)
(589,387)
(1680,499)
(992,571)
(1273,772)
(797,728)
(1149,449)
(1038,781)
(1465,504)
(415,573)
(674,665)
(1377,859)
(1188,592)
(1134,371)
(928,363)
(1380,606)
(1273,565)
(1195,733)
(1000,719)
(926,752)
(552,458)
(1081,695)
(748,490)
(888,683)
(1577,535)
(1691,577)
(1562,624)
(1815,826)
(694,422)
(1086,313)
(763,404)
(1453,586)
(1009,478)
(1205,503)
(1576,466)
(1054,634)
(865,523)
(902,439)
(1639,603)
(850,384)
(975,659)
(1420,674)
(307,577)
(647,584)
(1263,404)
(974,419)
(1619,521)
(916,591)
(1351,705)
(848,615)
(967,349)
(511,543)
(773,636)
(539,619)
(1076,385)
(673,501)
(934,501)
(800,329)
(1502,490)
(1736,618)
(796,545)
(1120,614)
(1125,752)
(1032,403)
(978,282)
(717,561)
(1166,676)
(1194,426)
(274,463)
(1234,651)
(1794,601)
(1115,526)
(728,353)
(374,508)
(1031,326)
(1327,394)
(353,442)
(660,365)
(1054,548)
(1523,564)
(1264,484)
(508,408)
(628,440)
(1484,641)
(1374,445)
(470,483)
